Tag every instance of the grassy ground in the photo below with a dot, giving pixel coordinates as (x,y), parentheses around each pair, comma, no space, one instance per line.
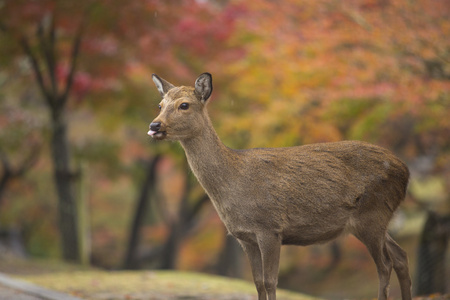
(150,285)
(133,285)
(89,283)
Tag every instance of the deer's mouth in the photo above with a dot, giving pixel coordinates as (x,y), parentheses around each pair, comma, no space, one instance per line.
(157,135)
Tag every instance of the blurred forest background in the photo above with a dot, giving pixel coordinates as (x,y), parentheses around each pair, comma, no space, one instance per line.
(81,181)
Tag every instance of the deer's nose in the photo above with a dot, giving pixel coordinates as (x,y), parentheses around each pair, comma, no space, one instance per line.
(155,126)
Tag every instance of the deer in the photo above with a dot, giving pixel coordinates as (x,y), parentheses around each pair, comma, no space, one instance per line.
(301,195)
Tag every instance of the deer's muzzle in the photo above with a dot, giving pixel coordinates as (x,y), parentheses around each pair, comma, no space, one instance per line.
(155,132)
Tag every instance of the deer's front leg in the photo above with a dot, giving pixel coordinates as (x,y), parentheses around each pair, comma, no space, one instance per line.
(254,256)
(269,246)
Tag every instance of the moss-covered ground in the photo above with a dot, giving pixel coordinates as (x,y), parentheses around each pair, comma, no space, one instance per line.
(88,283)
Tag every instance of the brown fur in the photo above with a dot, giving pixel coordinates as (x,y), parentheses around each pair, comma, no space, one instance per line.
(300,195)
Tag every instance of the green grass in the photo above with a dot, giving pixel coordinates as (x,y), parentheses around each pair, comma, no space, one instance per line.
(150,285)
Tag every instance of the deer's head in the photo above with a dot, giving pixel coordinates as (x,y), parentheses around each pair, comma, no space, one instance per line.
(182,109)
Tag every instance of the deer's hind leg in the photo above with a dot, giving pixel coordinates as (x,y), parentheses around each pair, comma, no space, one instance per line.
(400,263)
(375,241)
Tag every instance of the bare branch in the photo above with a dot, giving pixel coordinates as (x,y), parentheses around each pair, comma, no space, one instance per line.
(10,173)
(24,166)
(52,40)
(47,46)
(23,41)
(73,63)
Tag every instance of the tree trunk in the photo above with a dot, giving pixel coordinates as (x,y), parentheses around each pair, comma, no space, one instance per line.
(6,176)
(171,247)
(131,260)
(179,230)
(64,187)
(336,256)
(84,236)
(230,261)
(431,277)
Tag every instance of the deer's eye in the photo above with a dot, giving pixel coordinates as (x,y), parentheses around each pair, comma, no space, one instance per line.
(159,106)
(184,106)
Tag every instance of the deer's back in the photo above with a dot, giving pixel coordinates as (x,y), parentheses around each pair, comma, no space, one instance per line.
(359,162)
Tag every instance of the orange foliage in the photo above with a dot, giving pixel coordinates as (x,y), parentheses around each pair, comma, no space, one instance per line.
(302,54)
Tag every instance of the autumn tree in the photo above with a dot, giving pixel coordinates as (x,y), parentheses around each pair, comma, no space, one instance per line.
(41,47)
(53,36)
(93,50)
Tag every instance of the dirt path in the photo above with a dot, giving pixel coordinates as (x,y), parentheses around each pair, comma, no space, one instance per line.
(8,293)
(11,288)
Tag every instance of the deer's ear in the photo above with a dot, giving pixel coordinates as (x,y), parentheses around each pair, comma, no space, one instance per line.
(162,85)
(203,87)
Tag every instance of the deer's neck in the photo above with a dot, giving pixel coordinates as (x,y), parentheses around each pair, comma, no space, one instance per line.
(210,160)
